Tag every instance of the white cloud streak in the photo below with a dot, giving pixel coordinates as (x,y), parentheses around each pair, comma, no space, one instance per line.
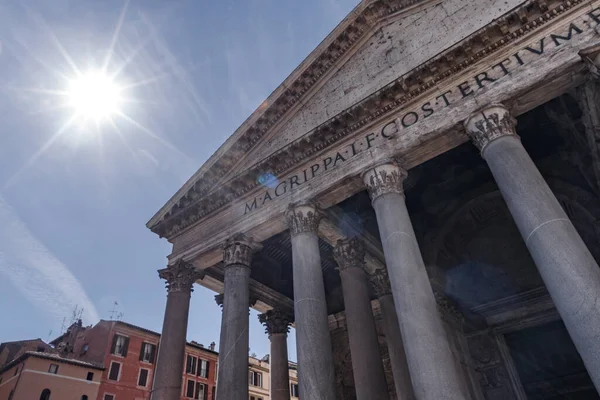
(35,272)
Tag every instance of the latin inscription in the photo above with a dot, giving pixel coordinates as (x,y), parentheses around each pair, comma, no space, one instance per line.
(275,188)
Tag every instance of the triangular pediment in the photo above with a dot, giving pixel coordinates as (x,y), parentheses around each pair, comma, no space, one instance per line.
(378,44)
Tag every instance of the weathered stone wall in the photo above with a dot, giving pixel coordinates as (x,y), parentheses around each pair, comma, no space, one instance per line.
(394,50)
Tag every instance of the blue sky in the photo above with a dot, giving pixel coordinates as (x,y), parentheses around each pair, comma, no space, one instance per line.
(74,199)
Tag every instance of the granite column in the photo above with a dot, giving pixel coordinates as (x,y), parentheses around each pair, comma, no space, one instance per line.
(180,279)
(431,364)
(568,269)
(277,325)
(313,341)
(234,343)
(393,336)
(367,368)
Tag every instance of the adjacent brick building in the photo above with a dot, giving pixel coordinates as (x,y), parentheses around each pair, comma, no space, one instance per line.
(114,360)
(37,375)
(128,353)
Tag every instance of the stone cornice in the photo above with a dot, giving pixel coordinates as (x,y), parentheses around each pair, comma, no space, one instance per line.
(200,201)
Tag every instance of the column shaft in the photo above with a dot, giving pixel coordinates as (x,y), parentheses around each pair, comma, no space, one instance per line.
(367,367)
(280,375)
(313,342)
(277,324)
(391,328)
(432,368)
(171,349)
(234,342)
(567,267)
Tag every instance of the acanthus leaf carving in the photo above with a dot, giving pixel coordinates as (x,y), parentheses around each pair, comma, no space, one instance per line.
(384,179)
(275,321)
(180,276)
(349,253)
(489,124)
(303,218)
(238,250)
(380,281)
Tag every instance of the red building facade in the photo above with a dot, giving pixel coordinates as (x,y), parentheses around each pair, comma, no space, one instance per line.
(128,353)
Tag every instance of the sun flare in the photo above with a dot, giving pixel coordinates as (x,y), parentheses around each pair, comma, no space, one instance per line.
(94,95)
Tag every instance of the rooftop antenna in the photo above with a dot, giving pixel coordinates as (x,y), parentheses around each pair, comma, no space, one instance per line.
(115,314)
(63,325)
(49,336)
(76,314)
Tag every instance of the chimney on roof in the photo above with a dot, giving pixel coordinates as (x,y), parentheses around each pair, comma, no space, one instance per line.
(212,346)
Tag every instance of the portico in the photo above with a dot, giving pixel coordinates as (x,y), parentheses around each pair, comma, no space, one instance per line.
(459,175)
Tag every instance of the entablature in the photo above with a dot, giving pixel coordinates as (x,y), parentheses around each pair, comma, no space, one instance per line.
(455,65)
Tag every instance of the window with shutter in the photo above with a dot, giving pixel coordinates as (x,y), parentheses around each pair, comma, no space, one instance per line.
(113,373)
(143,377)
(120,345)
(146,353)
(294,390)
(203,368)
(191,365)
(199,391)
(190,389)
(152,353)
(255,378)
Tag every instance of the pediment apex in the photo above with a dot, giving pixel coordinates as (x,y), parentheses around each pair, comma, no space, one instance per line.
(360,21)
(211,189)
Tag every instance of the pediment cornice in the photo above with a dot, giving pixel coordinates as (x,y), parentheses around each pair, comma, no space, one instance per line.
(201,199)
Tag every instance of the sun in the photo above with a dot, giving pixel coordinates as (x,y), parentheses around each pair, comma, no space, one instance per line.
(94,95)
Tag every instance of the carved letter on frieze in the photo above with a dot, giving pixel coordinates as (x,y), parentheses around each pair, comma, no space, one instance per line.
(380,282)
(238,251)
(275,321)
(488,124)
(180,276)
(303,218)
(384,179)
(349,253)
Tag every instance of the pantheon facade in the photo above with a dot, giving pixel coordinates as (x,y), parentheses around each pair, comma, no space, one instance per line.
(420,200)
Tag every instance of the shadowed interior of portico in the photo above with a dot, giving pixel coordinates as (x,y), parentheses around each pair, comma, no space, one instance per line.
(475,256)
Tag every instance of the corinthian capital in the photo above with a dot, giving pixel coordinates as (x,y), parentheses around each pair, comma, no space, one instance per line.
(383,179)
(303,218)
(180,276)
(275,321)
(349,253)
(238,250)
(380,282)
(489,124)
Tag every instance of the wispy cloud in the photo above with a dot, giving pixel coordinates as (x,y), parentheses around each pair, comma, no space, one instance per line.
(34,271)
